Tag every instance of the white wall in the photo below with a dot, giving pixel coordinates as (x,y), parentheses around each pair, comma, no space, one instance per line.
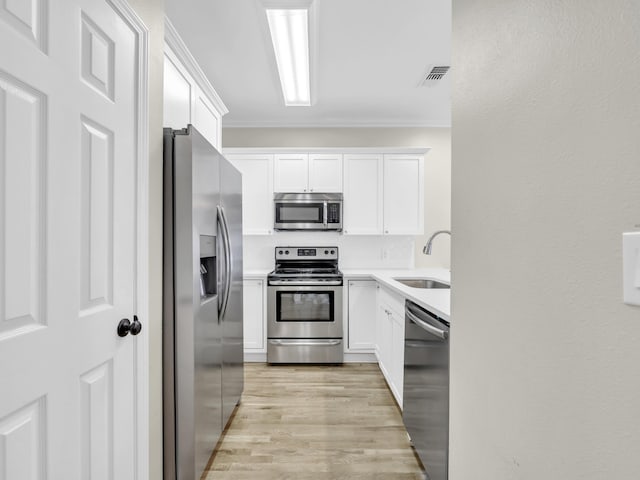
(356,251)
(152,14)
(545,357)
(437,182)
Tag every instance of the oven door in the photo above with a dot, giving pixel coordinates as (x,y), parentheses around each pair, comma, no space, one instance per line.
(312,311)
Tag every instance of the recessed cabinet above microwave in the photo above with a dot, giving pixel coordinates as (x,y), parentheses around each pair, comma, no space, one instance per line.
(307,173)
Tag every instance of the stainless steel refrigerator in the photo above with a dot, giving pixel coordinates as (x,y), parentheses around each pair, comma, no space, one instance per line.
(202,311)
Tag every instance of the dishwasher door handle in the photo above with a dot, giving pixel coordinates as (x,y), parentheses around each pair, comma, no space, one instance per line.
(425,326)
(305,343)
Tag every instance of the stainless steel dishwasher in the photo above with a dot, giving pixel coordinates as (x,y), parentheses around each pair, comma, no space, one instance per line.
(426,388)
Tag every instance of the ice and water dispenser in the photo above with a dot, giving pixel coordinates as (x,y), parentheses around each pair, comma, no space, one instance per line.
(208,277)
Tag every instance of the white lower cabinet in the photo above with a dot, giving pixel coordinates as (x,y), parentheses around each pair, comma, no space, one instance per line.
(362,316)
(254,316)
(390,340)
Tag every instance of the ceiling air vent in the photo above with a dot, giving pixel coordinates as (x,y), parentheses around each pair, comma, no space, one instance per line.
(434,74)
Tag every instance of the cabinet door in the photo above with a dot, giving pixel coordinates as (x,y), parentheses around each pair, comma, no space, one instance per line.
(253,315)
(291,172)
(396,369)
(403,194)
(384,333)
(325,172)
(205,118)
(177,94)
(257,192)
(362,208)
(362,315)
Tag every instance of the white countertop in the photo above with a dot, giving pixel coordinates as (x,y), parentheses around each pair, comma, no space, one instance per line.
(256,274)
(436,300)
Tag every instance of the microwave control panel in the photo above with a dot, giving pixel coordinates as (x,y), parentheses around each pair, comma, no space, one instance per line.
(333,213)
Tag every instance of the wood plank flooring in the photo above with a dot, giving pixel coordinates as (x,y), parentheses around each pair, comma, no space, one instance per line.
(315,422)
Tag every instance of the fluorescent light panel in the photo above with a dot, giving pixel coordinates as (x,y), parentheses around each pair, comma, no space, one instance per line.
(290,36)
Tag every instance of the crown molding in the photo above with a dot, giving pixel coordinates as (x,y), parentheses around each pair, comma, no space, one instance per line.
(344,150)
(286,124)
(287,4)
(173,40)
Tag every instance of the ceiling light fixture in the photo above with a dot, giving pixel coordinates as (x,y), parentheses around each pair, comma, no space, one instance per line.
(289,29)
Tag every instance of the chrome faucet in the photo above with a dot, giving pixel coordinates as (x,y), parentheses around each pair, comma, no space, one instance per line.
(427,248)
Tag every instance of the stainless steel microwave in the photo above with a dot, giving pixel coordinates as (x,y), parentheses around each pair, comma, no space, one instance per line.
(308,211)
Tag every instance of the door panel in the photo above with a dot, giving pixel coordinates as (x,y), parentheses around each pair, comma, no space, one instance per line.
(22,289)
(68,165)
(232,322)
(22,434)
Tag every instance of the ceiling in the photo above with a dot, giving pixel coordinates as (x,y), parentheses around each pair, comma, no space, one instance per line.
(369,60)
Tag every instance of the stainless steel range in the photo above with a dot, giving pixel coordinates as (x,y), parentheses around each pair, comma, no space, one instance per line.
(304,319)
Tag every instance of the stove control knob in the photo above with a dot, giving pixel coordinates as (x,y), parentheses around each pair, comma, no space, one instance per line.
(326,252)
(332,252)
(286,252)
(279,252)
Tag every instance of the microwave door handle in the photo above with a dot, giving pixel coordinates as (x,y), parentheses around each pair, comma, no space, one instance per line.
(324,215)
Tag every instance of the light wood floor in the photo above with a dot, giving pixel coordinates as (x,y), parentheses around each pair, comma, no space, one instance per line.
(315,422)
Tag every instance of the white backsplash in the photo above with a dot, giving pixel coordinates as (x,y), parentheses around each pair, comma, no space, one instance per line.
(356,251)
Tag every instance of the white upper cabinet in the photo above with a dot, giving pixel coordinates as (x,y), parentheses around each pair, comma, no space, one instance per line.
(206,118)
(304,173)
(177,94)
(362,208)
(325,172)
(403,209)
(188,96)
(257,191)
(383,189)
(291,172)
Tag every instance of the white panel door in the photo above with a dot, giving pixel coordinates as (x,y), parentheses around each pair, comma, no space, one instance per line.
(362,194)
(257,192)
(291,172)
(325,172)
(68,165)
(403,194)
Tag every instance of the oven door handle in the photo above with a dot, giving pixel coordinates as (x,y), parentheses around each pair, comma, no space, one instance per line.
(285,283)
(305,343)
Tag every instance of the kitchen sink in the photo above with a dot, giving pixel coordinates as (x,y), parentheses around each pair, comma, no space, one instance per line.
(422,283)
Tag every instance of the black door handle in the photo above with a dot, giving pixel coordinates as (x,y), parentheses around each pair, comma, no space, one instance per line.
(125,327)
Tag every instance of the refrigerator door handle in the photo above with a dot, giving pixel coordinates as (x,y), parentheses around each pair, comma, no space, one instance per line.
(222,221)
